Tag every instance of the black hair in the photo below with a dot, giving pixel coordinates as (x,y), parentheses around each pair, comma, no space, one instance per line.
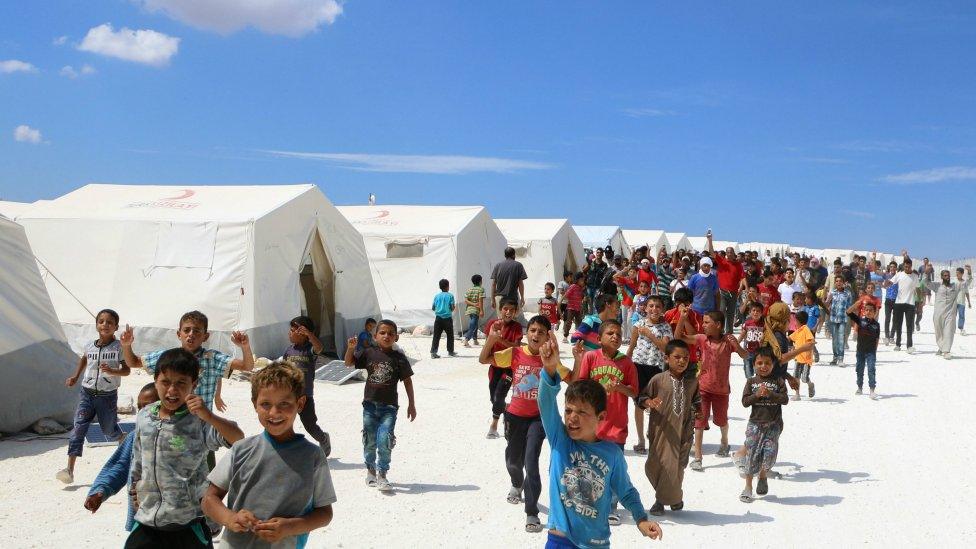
(579,276)
(674,344)
(115,315)
(444,284)
(508,301)
(179,361)
(550,285)
(509,253)
(657,298)
(607,323)
(305,322)
(369,321)
(567,273)
(149,387)
(588,391)
(802,317)
(756,305)
(717,317)
(541,320)
(387,322)
(476,280)
(195,316)
(683,295)
(604,301)
(768,352)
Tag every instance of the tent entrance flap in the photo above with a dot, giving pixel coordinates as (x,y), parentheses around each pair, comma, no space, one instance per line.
(317,279)
(569,265)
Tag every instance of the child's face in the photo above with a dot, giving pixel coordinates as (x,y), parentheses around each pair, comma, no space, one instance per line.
(580,282)
(839,282)
(370,327)
(295,336)
(678,361)
(581,420)
(755,313)
(869,288)
(643,288)
(809,300)
(192,335)
(654,309)
(535,336)
(548,291)
(276,408)
(710,327)
(146,397)
(789,277)
(613,308)
(798,300)
(106,325)
(610,338)
(385,337)
(173,388)
(764,365)
(870,312)
(508,313)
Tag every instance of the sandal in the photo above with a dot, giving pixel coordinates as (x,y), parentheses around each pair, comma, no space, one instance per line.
(696,465)
(514,496)
(614,519)
(678,506)
(657,509)
(532,524)
(640,449)
(746,496)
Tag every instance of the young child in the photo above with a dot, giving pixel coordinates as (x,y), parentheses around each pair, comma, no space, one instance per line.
(672,404)
(115,473)
(523,425)
(627,283)
(169,456)
(868,335)
(797,304)
(768,294)
(765,394)
(648,340)
(548,306)
(801,337)
(365,337)
(443,308)
(474,307)
(752,335)
(103,366)
(305,346)
(713,381)
(385,367)
(838,301)
(814,318)
(500,379)
(617,374)
(574,305)
(584,471)
(561,288)
(277,484)
(588,332)
(682,303)
(640,301)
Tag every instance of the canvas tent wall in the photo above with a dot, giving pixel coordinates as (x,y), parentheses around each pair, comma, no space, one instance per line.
(410,248)
(724,244)
(546,248)
(250,258)
(845,255)
(12,209)
(697,243)
(677,241)
(601,236)
(654,240)
(35,359)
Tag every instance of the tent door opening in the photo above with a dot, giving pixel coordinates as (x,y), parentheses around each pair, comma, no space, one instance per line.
(317,279)
(569,265)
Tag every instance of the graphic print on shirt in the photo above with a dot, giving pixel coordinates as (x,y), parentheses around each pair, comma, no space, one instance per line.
(381,373)
(606,374)
(528,385)
(584,483)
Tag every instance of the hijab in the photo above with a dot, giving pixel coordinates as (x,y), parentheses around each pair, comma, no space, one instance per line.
(777,320)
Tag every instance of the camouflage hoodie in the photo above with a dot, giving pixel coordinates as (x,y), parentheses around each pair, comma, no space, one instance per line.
(169,466)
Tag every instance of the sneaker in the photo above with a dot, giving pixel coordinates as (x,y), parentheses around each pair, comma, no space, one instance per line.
(762,487)
(514,496)
(434,355)
(370,477)
(859,391)
(65,476)
(833,362)
(874,396)
(898,348)
(810,390)
(476,344)
(657,509)
(746,496)
(696,465)
(452,355)
(678,506)
(840,362)
(467,344)
(382,484)
(910,350)
(947,355)
(962,332)
(723,451)
(614,519)
(492,434)
(532,524)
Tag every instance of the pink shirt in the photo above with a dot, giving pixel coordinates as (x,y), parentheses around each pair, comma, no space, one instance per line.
(713,365)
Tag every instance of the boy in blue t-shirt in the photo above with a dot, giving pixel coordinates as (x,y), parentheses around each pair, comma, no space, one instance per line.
(365,338)
(443,308)
(584,472)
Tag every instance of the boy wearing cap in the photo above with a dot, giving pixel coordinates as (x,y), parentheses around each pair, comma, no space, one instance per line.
(704,287)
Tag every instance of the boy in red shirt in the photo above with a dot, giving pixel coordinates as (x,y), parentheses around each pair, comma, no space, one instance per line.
(682,301)
(548,306)
(768,294)
(618,376)
(500,379)
(752,335)
(716,351)
(573,297)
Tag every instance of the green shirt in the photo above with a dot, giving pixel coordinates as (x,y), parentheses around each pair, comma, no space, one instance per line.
(476,295)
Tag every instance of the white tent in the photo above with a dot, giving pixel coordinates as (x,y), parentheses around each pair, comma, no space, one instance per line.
(677,241)
(12,209)
(698,243)
(250,258)
(547,248)
(601,236)
(410,248)
(654,240)
(34,357)
(830,254)
(724,244)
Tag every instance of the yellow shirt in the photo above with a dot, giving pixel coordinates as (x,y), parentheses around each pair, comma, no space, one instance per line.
(801,337)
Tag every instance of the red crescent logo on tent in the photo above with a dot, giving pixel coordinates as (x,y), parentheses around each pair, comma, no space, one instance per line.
(187,193)
(382,214)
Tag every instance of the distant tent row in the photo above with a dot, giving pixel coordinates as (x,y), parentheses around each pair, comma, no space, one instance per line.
(547,248)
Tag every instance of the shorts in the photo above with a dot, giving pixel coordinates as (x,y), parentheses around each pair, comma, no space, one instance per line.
(717,405)
(644,374)
(802,372)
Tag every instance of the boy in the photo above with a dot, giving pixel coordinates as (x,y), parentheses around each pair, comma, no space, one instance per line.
(640,300)
(365,337)
(548,306)
(789,286)
(305,347)
(766,394)
(588,332)
(115,473)
(277,484)
(385,367)
(103,367)
(648,340)
(443,308)
(169,456)
(804,361)
(500,379)
(868,334)
(814,318)
(584,471)
(618,376)
(561,288)
(752,335)
(474,307)
(574,305)
(682,303)
(838,301)
(768,294)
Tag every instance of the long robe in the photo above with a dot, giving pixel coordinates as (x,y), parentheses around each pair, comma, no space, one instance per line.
(670,433)
(944,298)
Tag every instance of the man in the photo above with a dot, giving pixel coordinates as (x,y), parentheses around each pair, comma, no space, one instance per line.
(508,280)
(731,281)
(962,303)
(945,296)
(595,272)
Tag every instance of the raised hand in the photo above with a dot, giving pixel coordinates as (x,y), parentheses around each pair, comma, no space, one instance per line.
(240,339)
(127,336)
(196,407)
(578,350)
(351,343)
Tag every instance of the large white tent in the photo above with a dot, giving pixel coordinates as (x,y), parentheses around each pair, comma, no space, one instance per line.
(12,209)
(724,244)
(698,243)
(677,241)
(831,254)
(601,236)
(34,357)
(410,248)
(547,248)
(250,258)
(654,240)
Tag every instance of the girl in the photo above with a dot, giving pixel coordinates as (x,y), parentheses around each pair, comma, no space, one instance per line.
(672,404)
(648,340)
(765,394)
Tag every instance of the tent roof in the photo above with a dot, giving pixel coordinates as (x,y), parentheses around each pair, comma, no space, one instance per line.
(676,240)
(643,237)
(167,202)
(13,209)
(410,220)
(699,243)
(531,229)
(596,234)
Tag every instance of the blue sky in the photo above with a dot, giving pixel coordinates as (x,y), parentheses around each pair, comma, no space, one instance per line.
(831,124)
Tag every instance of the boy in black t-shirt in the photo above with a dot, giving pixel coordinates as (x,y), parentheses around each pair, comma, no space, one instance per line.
(868,333)
(385,366)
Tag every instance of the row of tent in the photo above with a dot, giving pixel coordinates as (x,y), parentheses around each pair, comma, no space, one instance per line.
(251,258)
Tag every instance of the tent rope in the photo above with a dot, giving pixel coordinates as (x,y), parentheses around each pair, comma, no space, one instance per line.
(58,280)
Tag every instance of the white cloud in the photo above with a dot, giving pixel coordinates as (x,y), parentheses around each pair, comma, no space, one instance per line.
(934,175)
(69,72)
(15,65)
(140,46)
(408,163)
(59,41)
(648,113)
(858,213)
(288,17)
(27,134)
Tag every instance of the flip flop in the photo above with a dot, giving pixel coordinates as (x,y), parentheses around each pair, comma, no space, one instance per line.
(533,525)
(640,449)
(696,465)
(657,509)
(514,496)
(746,496)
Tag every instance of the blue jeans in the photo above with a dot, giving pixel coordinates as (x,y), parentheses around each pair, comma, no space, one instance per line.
(862,360)
(961,311)
(378,438)
(105,407)
(472,332)
(837,338)
(748,364)
(591,299)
